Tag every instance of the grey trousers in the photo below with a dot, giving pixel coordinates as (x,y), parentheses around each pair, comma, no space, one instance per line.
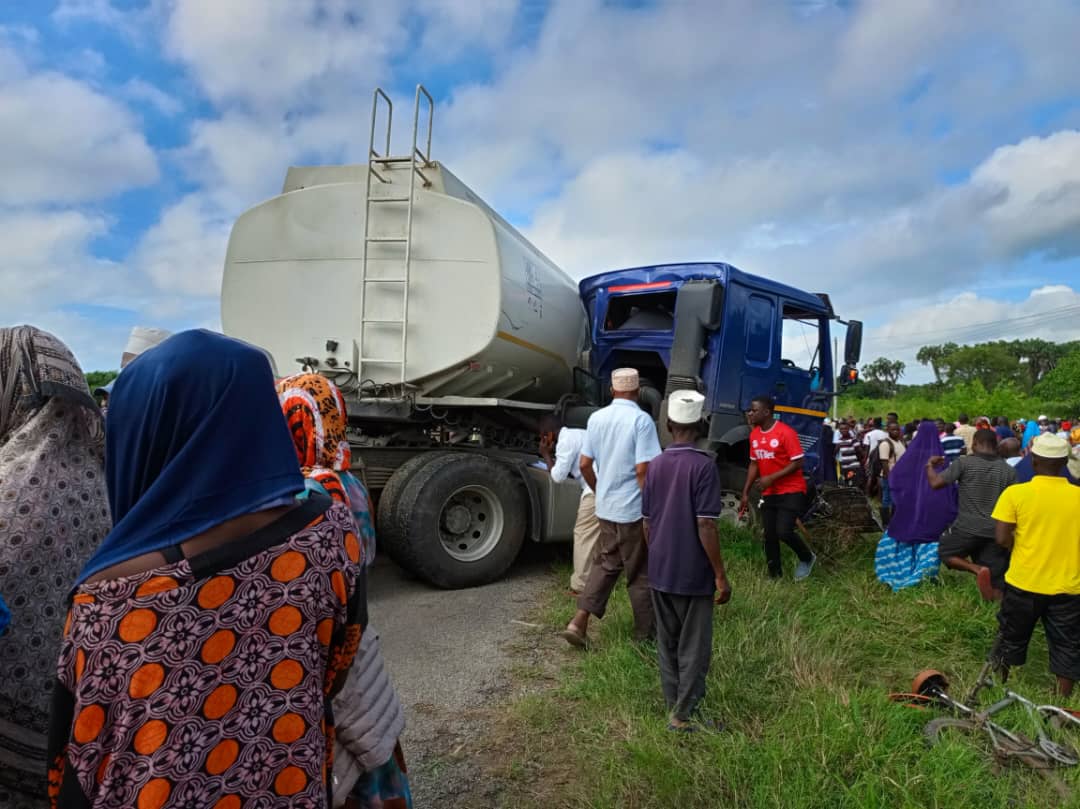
(684,641)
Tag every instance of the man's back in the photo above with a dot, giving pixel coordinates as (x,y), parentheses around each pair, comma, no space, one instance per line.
(682,485)
(981,479)
(619,437)
(1046,551)
(952,446)
(967,433)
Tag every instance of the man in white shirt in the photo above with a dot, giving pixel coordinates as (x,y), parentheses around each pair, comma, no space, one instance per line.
(620,442)
(562,454)
(873,436)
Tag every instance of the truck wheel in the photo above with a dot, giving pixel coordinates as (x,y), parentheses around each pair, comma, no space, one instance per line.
(453,519)
(732,480)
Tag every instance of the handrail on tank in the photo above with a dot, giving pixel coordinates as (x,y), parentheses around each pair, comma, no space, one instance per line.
(373,156)
(426,156)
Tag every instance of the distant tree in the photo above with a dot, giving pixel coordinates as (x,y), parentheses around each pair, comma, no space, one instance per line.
(97,379)
(1062,383)
(884,372)
(991,364)
(934,356)
(1039,357)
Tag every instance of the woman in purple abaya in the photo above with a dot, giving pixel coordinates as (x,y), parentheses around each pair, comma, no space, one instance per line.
(908,552)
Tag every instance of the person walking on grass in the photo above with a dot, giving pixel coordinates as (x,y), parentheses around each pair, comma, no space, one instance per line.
(776,462)
(681,503)
(620,441)
(969,543)
(1039,522)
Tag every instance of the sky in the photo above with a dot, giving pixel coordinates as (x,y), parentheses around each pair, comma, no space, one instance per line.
(919,161)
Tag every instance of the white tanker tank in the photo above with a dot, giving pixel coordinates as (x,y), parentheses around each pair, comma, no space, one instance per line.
(346,259)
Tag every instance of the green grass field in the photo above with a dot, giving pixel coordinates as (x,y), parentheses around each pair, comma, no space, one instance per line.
(801,674)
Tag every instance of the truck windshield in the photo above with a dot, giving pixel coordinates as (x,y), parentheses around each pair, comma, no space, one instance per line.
(654,312)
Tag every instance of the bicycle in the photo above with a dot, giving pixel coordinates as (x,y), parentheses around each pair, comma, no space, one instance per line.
(1042,754)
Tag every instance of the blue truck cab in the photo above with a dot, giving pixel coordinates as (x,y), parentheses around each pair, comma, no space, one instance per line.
(728,334)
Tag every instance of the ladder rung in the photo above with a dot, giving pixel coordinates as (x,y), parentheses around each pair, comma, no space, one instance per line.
(381,360)
(388,199)
(384,239)
(386,280)
(377,159)
(366,321)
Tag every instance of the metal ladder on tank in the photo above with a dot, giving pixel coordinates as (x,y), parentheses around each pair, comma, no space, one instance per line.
(380,164)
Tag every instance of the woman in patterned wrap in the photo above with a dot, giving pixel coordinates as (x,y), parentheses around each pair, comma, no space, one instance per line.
(369,766)
(210,631)
(53,514)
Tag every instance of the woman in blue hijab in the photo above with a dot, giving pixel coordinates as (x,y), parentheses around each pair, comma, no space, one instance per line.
(214,620)
(908,552)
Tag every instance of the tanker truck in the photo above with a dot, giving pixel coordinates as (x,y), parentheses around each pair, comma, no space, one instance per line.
(452,336)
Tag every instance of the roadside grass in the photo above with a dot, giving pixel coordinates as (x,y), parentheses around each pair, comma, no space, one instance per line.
(801,675)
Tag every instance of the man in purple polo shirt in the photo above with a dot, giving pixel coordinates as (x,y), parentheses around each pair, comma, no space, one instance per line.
(681,503)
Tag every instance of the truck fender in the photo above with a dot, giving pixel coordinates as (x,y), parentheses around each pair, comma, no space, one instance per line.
(535,528)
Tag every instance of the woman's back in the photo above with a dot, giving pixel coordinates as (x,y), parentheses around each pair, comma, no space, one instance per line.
(202,677)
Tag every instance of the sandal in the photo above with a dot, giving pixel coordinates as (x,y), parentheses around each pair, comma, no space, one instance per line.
(574,637)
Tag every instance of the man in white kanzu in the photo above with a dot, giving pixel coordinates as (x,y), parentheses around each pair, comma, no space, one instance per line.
(620,441)
(561,452)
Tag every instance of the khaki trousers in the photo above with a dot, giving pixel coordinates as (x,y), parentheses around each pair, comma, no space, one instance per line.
(586,532)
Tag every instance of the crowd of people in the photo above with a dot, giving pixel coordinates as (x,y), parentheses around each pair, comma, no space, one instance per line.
(183,575)
(998,499)
(184,586)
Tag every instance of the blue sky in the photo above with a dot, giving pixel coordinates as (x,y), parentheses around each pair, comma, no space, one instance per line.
(919,161)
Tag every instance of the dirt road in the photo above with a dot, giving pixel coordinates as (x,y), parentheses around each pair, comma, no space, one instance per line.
(448,653)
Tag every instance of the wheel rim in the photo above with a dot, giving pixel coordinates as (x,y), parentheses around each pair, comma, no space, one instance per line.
(471,523)
(730,512)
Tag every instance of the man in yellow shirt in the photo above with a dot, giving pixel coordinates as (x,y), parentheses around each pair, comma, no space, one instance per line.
(1039,522)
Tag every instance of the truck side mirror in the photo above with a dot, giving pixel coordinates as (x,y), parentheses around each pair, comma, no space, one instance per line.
(853,343)
(849,375)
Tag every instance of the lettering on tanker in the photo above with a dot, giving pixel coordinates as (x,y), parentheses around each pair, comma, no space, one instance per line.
(533,290)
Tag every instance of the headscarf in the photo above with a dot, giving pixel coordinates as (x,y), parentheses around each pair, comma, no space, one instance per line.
(315,412)
(920,513)
(53,513)
(1030,431)
(194,438)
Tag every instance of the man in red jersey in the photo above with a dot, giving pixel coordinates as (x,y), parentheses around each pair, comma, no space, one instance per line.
(776,461)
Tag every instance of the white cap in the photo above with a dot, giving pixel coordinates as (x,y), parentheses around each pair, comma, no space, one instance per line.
(1042,418)
(143,338)
(1048,445)
(624,379)
(684,406)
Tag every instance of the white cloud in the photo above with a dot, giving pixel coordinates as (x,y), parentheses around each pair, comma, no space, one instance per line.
(277,54)
(184,253)
(65,141)
(973,318)
(1035,188)
(142,92)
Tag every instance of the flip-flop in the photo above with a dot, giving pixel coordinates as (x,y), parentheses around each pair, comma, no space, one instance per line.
(574,638)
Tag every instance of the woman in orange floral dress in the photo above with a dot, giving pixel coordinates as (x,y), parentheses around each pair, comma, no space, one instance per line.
(209,633)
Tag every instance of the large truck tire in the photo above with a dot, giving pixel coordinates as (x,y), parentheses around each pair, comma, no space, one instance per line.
(732,480)
(453,519)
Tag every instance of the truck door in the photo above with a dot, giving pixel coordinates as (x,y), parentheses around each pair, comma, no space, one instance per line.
(804,375)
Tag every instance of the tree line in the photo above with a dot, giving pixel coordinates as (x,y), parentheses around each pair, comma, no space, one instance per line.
(1031,367)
